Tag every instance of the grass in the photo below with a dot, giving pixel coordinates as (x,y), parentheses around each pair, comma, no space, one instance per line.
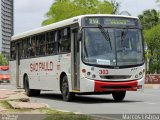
(58,115)
(68,117)
(50,113)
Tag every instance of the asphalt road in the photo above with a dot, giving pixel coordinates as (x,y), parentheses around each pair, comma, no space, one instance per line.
(147,101)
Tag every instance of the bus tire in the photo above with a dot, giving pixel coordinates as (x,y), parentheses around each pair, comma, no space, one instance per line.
(119,96)
(29,92)
(67,96)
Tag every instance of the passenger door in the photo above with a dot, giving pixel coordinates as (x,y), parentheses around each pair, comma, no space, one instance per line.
(75,60)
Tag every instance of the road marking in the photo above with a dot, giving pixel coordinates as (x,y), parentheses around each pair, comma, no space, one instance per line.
(69,111)
(150,94)
(62,110)
(152,103)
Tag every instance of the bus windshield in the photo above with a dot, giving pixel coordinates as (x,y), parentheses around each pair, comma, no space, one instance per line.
(115,47)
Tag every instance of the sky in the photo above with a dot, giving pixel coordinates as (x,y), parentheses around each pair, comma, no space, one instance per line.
(29,14)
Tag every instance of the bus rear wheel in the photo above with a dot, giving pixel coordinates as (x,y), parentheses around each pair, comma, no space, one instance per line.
(67,96)
(119,96)
(29,92)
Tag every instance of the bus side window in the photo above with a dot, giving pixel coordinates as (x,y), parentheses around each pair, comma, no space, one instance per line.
(33,46)
(51,43)
(40,43)
(47,42)
(20,51)
(28,47)
(64,40)
(13,51)
(24,48)
(37,45)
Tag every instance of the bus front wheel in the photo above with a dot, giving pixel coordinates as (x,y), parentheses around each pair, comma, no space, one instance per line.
(119,96)
(29,92)
(67,96)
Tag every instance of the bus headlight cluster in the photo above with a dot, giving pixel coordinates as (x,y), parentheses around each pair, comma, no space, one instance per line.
(140,74)
(89,74)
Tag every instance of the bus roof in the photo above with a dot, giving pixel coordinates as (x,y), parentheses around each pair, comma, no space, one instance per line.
(63,23)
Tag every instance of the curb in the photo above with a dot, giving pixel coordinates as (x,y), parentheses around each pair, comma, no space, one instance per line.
(18,100)
(152,86)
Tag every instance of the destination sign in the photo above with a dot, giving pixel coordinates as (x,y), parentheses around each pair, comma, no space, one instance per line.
(94,21)
(110,21)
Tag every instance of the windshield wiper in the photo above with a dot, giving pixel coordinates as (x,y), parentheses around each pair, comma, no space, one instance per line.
(124,34)
(105,34)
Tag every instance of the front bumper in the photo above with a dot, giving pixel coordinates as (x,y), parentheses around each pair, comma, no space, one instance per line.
(88,85)
(101,86)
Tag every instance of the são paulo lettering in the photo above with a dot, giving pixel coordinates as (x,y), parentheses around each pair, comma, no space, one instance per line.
(41,66)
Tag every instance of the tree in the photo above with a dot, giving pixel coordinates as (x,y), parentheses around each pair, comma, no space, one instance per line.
(3,60)
(152,38)
(63,9)
(115,6)
(149,18)
(158,1)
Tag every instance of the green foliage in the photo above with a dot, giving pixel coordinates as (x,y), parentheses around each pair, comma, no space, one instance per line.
(68,117)
(115,6)
(158,2)
(150,21)
(149,18)
(3,60)
(152,38)
(63,9)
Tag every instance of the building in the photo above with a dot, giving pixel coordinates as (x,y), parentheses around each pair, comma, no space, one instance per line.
(6,26)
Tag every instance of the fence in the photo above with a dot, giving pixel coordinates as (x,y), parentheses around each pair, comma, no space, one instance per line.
(152,79)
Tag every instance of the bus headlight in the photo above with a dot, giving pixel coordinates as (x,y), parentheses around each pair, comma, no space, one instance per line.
(93,76)
(139,75)
(136,76)
(88,73)
(83,70)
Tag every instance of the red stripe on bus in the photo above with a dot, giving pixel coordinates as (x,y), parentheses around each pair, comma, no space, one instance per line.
(101,86)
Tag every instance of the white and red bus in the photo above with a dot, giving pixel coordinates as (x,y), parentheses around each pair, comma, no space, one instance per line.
(88,54)
(4,74)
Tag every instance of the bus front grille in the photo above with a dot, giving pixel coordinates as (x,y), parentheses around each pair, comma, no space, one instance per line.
(116,77)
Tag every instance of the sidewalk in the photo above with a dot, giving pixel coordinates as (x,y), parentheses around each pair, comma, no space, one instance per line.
(13,107)
(6,86)
(151,86)
(17,99)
